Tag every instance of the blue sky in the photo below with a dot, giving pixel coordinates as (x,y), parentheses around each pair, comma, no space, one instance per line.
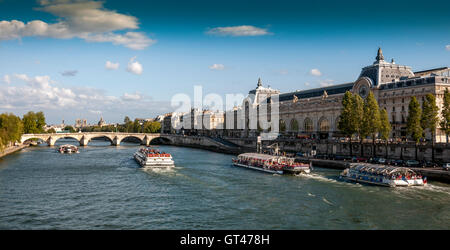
(57,62)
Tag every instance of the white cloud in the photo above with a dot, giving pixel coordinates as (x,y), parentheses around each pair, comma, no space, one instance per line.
(42,93)
(447,47)
(134,66)
(97,112)
(284,72)
(87,20)
(315,72)
(38,91)
(307,84)
(7,79)
(89,16)
(132,40)
(22,77)
(326,83)
(131,97)
(111,65)
(217,67)
(243,30)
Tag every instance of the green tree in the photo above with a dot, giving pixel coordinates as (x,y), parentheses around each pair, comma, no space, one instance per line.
(445,122)
(358,115)
(33,123)
(11,129)
(152,127)
(430,118)
(136,126)
(347,118)
(413,126)
(385,128)
(96,129)
(40,121)
(128,125)
(70,128)
(371,119)
(51,131)
(29,123)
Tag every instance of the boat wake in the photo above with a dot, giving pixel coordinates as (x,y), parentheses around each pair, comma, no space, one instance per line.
(317,177)
(333,180)
(159,170)
(428,187)
(326,201)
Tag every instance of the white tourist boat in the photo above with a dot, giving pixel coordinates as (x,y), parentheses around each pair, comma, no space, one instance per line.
(148,157)
(68,149)
(383,175)
(271,164)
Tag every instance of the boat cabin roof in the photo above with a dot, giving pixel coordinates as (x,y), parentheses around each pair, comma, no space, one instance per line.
(380,169)
(264,157)
(257,156)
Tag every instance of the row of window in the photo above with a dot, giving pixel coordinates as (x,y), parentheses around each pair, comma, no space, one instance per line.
(323,125)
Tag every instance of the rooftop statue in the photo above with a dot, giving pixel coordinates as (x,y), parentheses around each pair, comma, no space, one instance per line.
(380,56)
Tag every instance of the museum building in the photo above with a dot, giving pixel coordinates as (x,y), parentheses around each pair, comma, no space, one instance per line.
(314,113)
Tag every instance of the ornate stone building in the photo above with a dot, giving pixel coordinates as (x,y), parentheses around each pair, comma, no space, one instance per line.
(315,113)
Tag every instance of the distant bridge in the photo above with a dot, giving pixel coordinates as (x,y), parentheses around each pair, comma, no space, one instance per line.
(84,138)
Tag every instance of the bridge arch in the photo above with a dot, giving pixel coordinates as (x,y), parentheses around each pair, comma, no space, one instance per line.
(161,140)
(53,140)
(34,138)
(140,138)
(106,137)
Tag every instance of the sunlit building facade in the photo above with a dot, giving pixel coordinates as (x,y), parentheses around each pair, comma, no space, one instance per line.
(314,113)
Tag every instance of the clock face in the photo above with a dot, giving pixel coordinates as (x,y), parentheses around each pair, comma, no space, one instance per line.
(363,91)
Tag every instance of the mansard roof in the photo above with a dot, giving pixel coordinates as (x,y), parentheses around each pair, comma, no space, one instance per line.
(415,81)
(429,71)
(310,93)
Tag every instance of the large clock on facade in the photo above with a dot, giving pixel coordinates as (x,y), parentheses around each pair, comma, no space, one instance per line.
(363,91)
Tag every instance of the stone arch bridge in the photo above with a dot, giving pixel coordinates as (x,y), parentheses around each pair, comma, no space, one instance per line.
(84,138)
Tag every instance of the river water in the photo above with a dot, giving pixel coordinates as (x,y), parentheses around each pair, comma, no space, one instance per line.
(104,188)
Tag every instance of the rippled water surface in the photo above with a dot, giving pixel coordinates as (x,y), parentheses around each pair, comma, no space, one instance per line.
(103,188)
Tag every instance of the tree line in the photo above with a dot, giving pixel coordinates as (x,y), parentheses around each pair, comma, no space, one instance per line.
(128,126)
(362,118)
(12,127)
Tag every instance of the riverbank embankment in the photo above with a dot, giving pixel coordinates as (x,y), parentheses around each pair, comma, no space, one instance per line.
(12,149)
(208,143)
(223,146)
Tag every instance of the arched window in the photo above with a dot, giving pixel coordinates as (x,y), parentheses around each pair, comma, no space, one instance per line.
(324,125)
(294,125)
(308,125)
(282,125)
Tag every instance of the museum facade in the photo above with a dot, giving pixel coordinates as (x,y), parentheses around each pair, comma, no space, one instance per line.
(314,113)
